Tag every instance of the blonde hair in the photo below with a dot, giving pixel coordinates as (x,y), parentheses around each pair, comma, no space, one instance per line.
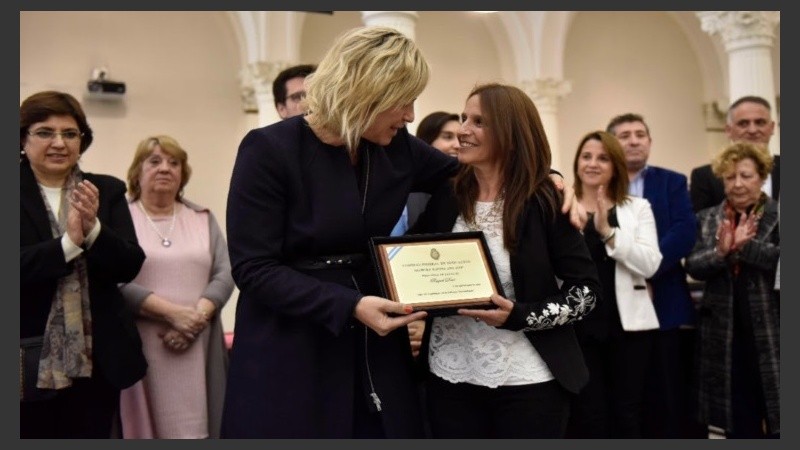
(143,151)
(368,70)
(732,154)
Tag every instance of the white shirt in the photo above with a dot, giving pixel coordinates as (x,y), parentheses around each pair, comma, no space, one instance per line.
(463,350)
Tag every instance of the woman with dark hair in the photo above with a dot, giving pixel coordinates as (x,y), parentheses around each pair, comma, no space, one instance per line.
(440,129)
(78,346)
(507,372)
(617,338)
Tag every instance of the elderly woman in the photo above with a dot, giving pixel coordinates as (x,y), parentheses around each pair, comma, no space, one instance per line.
(739,320)
(78,346)
(178,295)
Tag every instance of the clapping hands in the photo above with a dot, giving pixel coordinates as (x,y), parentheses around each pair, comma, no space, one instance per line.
(601,213)
(731,238)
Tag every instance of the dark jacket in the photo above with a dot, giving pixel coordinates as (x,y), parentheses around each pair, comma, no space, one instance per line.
(416,204)
(757,260)
(676,225)
(297,349)
(548,248)
(114,257)
(707,190)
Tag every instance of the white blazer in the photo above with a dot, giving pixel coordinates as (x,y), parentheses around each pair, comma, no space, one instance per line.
(637,258)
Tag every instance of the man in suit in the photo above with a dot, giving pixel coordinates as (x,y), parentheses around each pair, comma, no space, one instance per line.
(667,394)
(750,120)
(288,90)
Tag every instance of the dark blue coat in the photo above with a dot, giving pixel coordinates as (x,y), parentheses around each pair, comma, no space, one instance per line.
(297,348)
(667,192)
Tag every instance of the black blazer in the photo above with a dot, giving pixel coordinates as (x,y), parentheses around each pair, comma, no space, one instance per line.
(115,257)
(548,247)
(707,190)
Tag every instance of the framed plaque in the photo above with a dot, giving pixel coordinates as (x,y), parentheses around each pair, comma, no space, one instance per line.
(436,271)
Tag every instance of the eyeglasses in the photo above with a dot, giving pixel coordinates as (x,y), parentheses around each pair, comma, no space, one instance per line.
(49,135)
(297,96)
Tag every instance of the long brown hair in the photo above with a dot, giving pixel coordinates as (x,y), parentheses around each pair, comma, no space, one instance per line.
(521,149)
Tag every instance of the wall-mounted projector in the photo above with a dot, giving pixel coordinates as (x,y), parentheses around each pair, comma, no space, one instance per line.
(102,88)
(106,87)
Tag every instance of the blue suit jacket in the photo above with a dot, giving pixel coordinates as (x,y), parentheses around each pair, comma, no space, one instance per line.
(667,192)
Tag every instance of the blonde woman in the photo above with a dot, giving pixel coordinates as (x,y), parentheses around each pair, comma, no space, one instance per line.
(316,353)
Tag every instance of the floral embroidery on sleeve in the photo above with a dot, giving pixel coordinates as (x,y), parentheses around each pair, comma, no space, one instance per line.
(580,300)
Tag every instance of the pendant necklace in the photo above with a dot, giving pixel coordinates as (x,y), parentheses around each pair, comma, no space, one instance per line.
(165,241)
(491,217)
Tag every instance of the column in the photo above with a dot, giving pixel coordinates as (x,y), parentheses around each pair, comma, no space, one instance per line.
(403,21)
(256,85)
(545,93)
(748,37)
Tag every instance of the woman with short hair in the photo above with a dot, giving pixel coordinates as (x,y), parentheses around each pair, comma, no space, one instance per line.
(77,243)
(737,250)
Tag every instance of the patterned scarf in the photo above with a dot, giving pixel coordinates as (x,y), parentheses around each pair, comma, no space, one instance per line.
(67,347)
(757,210)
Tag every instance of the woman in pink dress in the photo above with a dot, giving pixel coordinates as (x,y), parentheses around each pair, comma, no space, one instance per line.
(178,294)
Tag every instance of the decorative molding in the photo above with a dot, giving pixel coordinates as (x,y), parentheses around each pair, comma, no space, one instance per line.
(545,92)
(258,76)
(741,29)
(715,117)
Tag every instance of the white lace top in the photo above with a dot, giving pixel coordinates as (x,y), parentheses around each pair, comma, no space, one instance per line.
(463,350)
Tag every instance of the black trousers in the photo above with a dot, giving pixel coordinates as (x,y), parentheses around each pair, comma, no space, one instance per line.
(87,409)
(610,405)
(463,410)
(668,402)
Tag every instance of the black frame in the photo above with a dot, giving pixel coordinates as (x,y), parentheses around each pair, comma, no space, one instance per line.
(441,306)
